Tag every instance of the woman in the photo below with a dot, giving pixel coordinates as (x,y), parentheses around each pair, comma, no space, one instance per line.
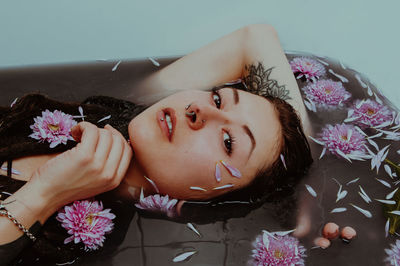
(196,130)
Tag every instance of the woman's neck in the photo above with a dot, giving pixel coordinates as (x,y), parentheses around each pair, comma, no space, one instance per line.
(133,182)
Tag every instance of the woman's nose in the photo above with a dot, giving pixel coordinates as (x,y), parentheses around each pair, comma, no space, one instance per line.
(199,115)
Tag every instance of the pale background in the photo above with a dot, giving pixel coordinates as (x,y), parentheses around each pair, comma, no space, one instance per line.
(364,34)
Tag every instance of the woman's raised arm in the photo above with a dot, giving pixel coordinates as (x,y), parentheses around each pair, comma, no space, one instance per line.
(252,53)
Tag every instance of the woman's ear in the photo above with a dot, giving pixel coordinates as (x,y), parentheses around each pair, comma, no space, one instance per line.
(179,206)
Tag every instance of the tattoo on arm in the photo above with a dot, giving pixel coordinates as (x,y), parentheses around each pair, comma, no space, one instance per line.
(259,82)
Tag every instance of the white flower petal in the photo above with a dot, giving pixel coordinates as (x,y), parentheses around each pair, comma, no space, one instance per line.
(352,181)
(365,194)
(343,155)
(283,233)
(198,188)
(365,212)
(154,61)
(224,186)
(152,183)
(383,182)
(191,226)
(390,202)
(116,66)
(391,194)
(387,227)
(337,210)
(104,118)
(322,153)
(317,141)
(388,170)
(311,191)
(183,256)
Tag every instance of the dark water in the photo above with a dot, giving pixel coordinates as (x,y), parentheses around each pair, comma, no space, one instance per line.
(150,241)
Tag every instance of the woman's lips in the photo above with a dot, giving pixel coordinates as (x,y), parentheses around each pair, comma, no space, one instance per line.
(162,122)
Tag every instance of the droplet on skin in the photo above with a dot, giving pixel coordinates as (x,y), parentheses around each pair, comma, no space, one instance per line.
(330,231)
(348,233)
(322,242)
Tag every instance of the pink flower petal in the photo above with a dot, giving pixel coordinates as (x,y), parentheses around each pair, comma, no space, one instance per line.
(232,170)
(217,172)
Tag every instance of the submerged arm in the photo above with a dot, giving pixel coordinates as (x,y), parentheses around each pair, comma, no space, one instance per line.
(251,53)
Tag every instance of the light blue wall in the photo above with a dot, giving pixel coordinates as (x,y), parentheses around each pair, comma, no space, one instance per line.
(362,33)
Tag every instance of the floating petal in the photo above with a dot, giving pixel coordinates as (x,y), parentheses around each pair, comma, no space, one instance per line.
(337,210)
(232,170)
(390,202)
(352,181)
(283,160)
(224,186)
(13,103)
(365,194)
(198,188)
(383,182)
(387,227)
(322,153)
(283,233)
(311,191)
(152,183)
(184,256)
(104,118)
(342,195)
(364,197)
(154,61)
(391,194)
(365,212)
(217,172)
(116,66)
(191,226)
(388,170)
(317,141)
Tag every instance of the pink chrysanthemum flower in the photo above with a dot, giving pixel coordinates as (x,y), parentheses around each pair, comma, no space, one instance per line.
(272,249)
(157,203)
(369,113)
(345,141)
(393,254)
(308,68)
(86,222)
(53,127)
(327,93)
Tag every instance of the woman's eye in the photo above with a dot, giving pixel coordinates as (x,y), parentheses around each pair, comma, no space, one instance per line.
(216,99)
(228,142)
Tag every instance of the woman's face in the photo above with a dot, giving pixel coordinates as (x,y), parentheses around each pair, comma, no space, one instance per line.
(238,127)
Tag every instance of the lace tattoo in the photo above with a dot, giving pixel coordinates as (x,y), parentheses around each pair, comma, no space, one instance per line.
(258,81)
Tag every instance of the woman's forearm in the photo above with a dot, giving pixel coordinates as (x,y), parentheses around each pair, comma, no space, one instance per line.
(28,206)
(211,65)
(266,63)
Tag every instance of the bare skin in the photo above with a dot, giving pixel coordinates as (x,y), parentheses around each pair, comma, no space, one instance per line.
(223,60)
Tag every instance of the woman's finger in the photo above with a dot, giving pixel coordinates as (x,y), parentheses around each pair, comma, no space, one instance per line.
(125,162)
(114,157)
(104,146)
(87,134)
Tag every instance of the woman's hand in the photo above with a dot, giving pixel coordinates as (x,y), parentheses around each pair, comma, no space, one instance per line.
(97,164)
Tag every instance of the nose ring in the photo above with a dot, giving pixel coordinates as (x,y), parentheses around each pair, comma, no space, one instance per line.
(203,121)
(187,106)
(190,114)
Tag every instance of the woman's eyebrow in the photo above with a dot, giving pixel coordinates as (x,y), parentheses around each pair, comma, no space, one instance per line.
(245,127)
